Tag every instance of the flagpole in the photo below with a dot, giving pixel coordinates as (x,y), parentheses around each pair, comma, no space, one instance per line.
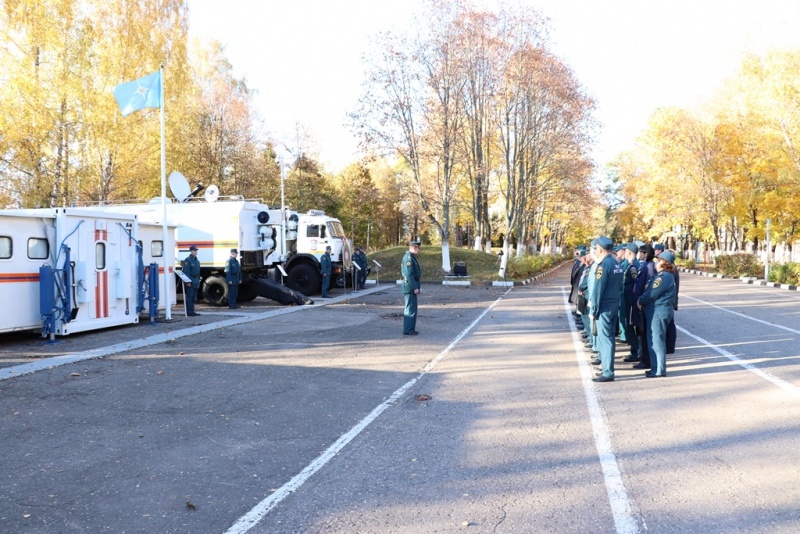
(164,232)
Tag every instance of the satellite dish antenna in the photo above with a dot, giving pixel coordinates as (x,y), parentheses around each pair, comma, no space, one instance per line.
(179,186)
(211,194)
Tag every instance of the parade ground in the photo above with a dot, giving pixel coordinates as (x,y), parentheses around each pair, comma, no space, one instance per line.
(326,419)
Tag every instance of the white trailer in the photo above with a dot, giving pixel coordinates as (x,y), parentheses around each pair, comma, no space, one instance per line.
(265,238)
(69,270)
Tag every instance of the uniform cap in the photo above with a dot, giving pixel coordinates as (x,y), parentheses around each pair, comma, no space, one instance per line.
(658,246)
(414,243)
(193,247)
(632,247)
(234,251)
(667,256)
(639,243)
(605,242)
(594,242)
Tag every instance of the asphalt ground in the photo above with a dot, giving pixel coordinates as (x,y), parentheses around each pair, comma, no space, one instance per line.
(326,419)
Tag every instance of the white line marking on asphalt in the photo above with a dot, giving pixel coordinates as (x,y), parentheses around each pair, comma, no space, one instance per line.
(791,388)
(617,495)
(259,511)
(786,328)
(101,352)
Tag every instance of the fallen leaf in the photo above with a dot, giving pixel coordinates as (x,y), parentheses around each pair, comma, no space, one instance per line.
(75,374)
(190,505)
(424,397)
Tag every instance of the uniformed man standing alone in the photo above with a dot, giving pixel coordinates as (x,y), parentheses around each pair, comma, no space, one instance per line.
(605,306)
(325,267)
(360,257)
(411,277)
(233,277)
(191,268)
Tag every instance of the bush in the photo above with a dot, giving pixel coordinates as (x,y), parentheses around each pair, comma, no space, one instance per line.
(530,265)
(686,264)
(786,273)
(739,264)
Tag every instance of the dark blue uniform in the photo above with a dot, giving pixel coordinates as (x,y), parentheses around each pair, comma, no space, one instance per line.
(361,276)
(325,268)
(605,306)
(191,268)
(657,303)
(411,282)
(622,318)
(647,270)
(628,281)
(233,277)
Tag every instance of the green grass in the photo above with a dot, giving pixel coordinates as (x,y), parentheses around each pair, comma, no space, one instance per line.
(481,267)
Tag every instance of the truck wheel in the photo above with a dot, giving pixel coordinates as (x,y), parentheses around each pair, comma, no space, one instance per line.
(247,292)
(215,291)
(305,279)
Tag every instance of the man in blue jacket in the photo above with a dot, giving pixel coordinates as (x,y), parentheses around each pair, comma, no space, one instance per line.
(605,306)
(191,268)
(325,265)
(410,270)
(233,277)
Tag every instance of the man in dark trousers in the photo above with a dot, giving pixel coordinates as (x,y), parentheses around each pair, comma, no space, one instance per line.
(233,277)
(647,270)
(605,306)
(411,284)
(325,267)
(191,268)
(360,257)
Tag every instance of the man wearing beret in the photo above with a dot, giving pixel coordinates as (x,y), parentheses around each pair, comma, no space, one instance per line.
(411,273)
(191,268)
(605,305)
(233,277)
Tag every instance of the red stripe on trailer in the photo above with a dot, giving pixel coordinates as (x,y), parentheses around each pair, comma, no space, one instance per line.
(101,287)
(10,278)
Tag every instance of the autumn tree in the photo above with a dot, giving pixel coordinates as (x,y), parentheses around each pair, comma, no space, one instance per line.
(412,107)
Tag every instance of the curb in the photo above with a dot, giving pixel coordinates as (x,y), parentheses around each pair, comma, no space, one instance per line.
(497,283)
(745,279)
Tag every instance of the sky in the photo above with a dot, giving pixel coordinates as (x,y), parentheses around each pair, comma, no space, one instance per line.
(304,57)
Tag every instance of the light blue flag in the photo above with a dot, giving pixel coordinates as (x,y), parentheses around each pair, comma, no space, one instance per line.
(142,93)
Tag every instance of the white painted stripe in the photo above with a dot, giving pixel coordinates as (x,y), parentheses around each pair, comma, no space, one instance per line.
(624,521)
(57,361)
(791,388)
(743,316)
(259,511)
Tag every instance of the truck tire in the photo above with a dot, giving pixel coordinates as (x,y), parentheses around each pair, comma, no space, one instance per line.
(305,279)
(247,292)
(215,291)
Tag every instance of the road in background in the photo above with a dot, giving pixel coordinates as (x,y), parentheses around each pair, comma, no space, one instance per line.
(500,435)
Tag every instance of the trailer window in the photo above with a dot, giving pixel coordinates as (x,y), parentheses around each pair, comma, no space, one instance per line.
(38,248)
(157,249)
(100,256)
(5,247)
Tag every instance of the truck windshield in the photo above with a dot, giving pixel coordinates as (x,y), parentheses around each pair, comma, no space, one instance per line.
(335,229)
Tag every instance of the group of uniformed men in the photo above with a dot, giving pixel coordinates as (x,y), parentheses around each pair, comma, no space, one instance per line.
(629,290)
(359,258)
